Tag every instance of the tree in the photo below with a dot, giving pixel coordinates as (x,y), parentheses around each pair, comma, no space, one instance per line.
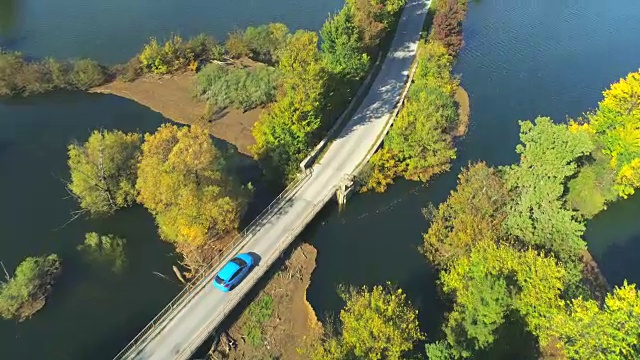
(24,293)
(182,181)
(536,213)
(473,213)
(587,331)
(617,126)
(447,26)
(375,324)
(103,171)
(419,135)
(107,249)
(493,281)
(342,48)
(266,41)
(284,131)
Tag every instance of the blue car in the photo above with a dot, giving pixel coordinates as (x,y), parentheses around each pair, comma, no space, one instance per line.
(233,272)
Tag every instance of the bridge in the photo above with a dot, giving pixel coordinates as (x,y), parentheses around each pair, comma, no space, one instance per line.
(196,312)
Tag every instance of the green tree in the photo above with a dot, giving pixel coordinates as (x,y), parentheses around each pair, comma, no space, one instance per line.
(107,249)
(375,324)
(25,293)
(265,42)
(342,47)
(492,281)
(473,213)
(183,183)
(588,331)
(103,170)
(537,214)
(284,131)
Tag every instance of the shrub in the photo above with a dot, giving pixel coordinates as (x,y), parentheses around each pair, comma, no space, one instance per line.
(447,26)
(257,315)
(129,71)
(87,74)
(244,89)
(24,294)
(265,41)
(236,45)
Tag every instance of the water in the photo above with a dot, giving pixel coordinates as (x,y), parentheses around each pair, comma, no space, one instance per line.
(521,59)
(113,31)
(92,312)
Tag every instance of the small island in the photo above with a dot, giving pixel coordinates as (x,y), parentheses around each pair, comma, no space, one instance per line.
(25,293)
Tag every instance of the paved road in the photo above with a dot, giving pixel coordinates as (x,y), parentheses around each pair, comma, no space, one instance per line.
(185,330)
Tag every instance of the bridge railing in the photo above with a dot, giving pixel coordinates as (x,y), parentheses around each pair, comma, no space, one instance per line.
(229,249)
(253,278)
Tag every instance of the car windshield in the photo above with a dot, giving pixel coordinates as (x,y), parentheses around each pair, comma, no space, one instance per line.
(219,280)
(239,262)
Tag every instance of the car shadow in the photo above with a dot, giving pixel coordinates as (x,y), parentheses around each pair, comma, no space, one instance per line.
(256,258)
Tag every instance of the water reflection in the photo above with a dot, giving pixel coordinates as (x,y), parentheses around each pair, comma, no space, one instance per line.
(8,17)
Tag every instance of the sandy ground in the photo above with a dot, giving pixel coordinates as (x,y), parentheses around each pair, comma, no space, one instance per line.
(292,322)
(462,99)
(172,96)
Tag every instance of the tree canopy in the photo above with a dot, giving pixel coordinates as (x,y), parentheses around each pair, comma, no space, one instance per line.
(106,249)
(103,170)
(473,213)
(589,331)
(492,281)
(537,214)
(375,324)
(183,183)
(284,131)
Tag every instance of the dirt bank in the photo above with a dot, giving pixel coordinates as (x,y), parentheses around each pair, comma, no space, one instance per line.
(462,100)
(292,319)
(172,96)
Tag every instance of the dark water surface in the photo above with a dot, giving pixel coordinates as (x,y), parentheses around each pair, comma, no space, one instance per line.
(92,312)
(521,59)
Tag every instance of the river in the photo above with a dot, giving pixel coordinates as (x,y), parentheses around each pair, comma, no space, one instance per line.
(521,59)
(92,312)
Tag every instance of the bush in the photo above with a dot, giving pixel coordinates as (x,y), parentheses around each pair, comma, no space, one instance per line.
(244,89)
(447,25)
(265,41)
(258,313)
(24,294)
(236,45)
(87,74)
(129,71)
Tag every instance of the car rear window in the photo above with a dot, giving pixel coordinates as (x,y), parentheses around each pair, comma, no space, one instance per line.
(219,280)
(240,262)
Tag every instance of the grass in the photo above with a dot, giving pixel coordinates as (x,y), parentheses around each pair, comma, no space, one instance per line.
(257,315)
(244,89)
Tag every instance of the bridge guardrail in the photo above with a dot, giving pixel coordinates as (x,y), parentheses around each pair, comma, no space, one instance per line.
(229,249)
(255,276)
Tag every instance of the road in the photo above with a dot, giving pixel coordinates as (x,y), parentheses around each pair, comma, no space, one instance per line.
(185,329)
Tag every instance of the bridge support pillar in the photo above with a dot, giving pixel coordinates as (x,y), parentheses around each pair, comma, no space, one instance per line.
(345,189)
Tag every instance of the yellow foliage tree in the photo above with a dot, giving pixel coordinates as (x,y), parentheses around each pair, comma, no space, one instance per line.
(376,324)
(181,181)
(617,125)
(611,332)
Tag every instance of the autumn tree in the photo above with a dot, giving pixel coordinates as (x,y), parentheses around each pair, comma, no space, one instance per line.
(103,171)
(264,42)
(588,331)
(373,18)
(343,51)
(25,292)
(447,26)
(537,214)
(375,324)
(419,144)
(493,281)
(284,131)
(182,181)
(472,213)
(616,124)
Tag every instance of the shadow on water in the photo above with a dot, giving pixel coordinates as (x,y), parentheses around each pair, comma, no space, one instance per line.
(9,13)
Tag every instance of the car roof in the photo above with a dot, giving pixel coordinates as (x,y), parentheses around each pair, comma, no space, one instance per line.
(229,269)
